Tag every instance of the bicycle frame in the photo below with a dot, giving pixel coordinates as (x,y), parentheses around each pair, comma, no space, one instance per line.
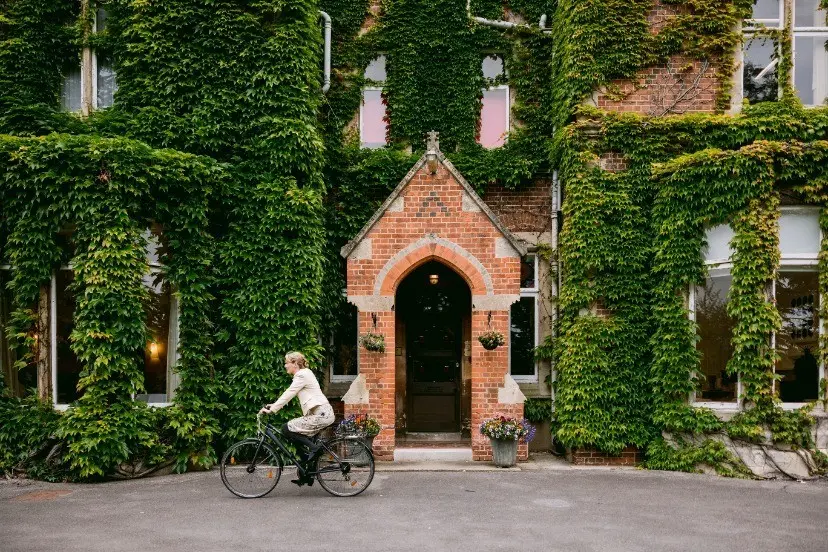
(267,431)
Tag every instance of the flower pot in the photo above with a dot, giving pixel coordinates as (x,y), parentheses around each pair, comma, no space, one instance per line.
(504,452)
(369,442)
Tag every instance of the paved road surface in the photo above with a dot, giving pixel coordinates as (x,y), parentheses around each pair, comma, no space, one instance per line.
(567,510)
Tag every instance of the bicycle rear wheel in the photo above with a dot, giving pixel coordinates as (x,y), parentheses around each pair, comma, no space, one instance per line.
(347,469)
(250,469)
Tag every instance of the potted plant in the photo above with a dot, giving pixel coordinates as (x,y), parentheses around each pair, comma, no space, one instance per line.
(504,433)
(491,340)
(361,426)
(373,342)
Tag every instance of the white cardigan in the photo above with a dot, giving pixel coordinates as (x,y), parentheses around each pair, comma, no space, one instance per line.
(305,385)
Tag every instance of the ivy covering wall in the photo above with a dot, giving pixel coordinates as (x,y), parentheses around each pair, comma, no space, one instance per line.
(220,133)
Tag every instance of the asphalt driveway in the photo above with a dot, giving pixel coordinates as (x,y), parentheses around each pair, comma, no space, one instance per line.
(567,510)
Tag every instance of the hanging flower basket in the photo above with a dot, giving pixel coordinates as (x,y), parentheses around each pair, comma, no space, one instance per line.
(373,342)
(491,340)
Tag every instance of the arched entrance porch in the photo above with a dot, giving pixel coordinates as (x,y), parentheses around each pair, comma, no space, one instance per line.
(432,328)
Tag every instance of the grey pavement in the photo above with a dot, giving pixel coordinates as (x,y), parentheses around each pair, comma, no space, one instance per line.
(540,506)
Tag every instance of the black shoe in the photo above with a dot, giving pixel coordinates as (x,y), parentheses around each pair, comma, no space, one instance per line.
(303,480)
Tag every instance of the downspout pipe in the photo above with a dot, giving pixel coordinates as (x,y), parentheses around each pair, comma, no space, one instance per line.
(327,83)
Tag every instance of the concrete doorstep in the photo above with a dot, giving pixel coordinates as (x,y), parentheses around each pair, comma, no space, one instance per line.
(454,460)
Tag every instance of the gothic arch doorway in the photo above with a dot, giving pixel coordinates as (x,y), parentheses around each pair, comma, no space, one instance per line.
(433,321)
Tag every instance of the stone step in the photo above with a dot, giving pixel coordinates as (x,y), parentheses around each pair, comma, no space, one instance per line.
(444,454)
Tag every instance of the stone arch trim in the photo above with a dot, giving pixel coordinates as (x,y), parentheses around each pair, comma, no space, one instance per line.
(434,247)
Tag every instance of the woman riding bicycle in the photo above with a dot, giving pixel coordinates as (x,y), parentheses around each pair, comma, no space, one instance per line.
(317,413)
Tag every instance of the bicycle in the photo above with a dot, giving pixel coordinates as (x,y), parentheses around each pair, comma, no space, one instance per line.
(251,468)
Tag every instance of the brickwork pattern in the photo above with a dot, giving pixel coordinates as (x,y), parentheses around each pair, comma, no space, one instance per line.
(433,206)
(683,85)
(526,210)
(630,456)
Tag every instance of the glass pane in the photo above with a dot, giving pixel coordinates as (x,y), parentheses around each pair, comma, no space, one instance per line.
(799,232)
(157,309)
(522,337)
(68,365)
(718,243)
(808,14)
(106,83)
(70,92)
(758,84)
(811,69)
(797,297)
(345,343)
(715,328)
(376,69)
(527,272)
(100,20)
(374,127)
(492,67)
(494,118)
(765,9)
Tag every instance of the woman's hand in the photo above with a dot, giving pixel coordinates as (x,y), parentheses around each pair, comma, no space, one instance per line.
(266,409)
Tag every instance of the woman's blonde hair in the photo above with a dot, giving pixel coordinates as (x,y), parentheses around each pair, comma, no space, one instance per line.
(297,358)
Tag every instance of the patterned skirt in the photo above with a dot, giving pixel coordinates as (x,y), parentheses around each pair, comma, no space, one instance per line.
(317,419)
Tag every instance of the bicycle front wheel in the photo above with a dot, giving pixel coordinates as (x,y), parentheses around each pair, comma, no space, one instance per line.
(250,469)
(346,469)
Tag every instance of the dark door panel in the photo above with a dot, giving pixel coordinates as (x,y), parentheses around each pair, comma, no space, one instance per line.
(433,315)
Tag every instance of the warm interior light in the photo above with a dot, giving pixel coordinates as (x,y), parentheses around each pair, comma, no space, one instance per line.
(153,351)
(433,278)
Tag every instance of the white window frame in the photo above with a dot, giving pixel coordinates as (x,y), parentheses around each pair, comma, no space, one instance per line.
(340,378)
(749,28)
(820,31)
(788,263)
(533,293)
(714,268)
(508,98)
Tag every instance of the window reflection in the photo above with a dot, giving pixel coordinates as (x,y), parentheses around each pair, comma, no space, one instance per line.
(715,329)
(345,343)
(797,342)
(759,82)
(522,337)
(68,365)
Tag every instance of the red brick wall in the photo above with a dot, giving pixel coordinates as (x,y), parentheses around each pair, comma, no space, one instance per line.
(682,85)
(433,206)
(526,210)
(630,456)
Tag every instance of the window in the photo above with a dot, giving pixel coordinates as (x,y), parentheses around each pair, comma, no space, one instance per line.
(161,351)
(760,82)
(373,123)
(105,85)
(715,327)
(796,293)
(810,38)
(71,89)
(494,113)
(344,348)
(523,324)
(75,91)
